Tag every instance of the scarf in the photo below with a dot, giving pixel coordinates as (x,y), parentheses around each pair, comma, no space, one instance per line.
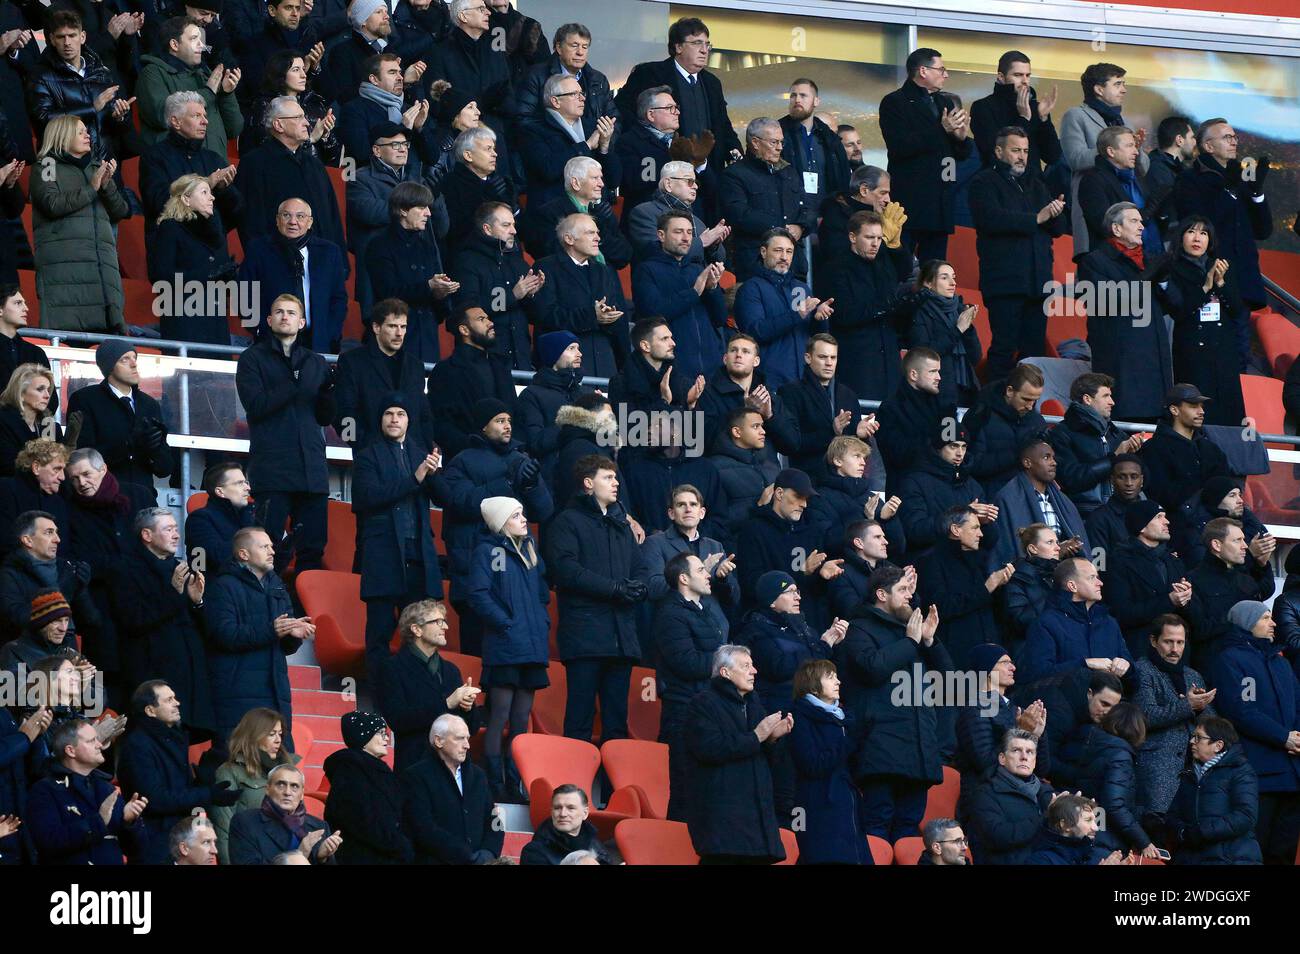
(1134,254)
(830,707)
(46,571)
(390,101)
(1202,264)
(295,821)
(81,162)
(107,497)
(1110,114)
(1130,181)
(1025,786)
(1200,768)
(1177,672)
(291,249)
(1092,415)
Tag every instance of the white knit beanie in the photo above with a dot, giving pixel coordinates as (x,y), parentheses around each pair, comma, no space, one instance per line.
(360,11)
(497,510)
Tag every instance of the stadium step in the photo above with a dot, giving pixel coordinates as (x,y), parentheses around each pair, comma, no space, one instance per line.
(304,677)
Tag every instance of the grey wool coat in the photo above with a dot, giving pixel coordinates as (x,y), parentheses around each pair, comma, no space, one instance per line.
(1169,729)
(1079,128)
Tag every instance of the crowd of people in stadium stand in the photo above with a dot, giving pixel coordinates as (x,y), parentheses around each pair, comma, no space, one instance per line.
(837,604)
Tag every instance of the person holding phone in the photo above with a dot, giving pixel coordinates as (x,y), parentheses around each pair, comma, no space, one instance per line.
(1212,818)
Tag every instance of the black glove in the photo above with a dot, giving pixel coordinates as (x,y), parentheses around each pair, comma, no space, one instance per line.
(80,570)
(630,591)
(224,795)
(1261,173)
(155,435)
(1232,174)
(530,471)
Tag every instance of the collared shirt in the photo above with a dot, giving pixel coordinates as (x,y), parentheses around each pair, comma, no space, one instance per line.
(121,394)
(574,128)
(460,781)
(1049,512)
(578,263)
(689,77)
(306,286)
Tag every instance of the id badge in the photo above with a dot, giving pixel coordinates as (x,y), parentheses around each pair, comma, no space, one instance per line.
(810,182)
(1210,312)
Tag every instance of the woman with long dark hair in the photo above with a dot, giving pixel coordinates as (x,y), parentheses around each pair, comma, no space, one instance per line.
(947,324)
(286,75)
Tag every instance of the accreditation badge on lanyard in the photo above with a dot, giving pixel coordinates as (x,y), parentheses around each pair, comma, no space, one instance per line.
(810,183)
(1210,311)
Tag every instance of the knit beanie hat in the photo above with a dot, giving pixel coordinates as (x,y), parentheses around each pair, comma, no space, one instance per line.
(360,11)
(110,352)
(1246,614)
(1215,489)
(985,656)
(551,346)
(771,585)
(360,727)
(451,102)
(48,606)
(497,510)
(484,410)
(1139,514)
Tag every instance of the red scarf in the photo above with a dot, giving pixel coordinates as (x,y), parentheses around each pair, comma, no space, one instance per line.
(1133,254)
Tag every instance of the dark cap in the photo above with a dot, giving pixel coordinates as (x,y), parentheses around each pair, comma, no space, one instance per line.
(386,130)
(771,585)
(1139,514)
(1185,394)
(485,409)
(793,479)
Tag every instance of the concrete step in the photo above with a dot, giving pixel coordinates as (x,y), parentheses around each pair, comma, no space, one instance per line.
(304,677)
(324,728)
(309,702)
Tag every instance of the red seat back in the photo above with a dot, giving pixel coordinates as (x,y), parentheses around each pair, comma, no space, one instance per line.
(333,601)
(632,762)
(650,841)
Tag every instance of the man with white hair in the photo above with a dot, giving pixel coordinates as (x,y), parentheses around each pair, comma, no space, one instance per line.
(179,66)
(560,133)
(181,152)
(679,185)
(763,192)
(473,180)
(258,835)
(731,807)
(475,60)
(645,146)
(448,810)
(581,292)
(585,181)
(286,167)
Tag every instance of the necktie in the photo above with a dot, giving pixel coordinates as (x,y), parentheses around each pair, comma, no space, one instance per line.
(130,405)
(691,79)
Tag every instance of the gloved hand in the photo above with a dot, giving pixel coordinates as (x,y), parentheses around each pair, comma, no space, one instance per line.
(630,591)
(1232,174)
(155,435)
(224,795)
(894,216)
(693,149)
(529,473)
(80,570)
(1261,173)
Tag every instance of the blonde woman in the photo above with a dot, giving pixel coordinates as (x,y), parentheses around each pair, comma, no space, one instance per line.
(26,412)
(256,747)
(189,245)
(75,204)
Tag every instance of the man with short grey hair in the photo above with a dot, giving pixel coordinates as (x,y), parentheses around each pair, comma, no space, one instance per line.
(448,810)
(761,192)
(679,185)
(584,190)
(561,132)
(731,747)
(474,179)
(181,152)
(259,835)
(944,841)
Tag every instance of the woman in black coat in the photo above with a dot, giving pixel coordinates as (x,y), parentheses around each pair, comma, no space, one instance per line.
(25,412)
(820,745)
(943,321)
(1202,297)
(285,75)
(365,802)
(189,245)
(1105,757)
(1213,815)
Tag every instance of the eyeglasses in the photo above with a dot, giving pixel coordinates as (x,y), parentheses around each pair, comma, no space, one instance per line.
(439,620)
(771,142)
(953,841)
(399,144)
(691,181)
(672,108)
(702,44)
(1200,738)
(576,92)
(937,69)
(1229,138)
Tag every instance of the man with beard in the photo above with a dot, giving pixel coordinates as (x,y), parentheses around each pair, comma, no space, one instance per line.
(372,32)
(1014,102)
(740,382)
(1016,219)
(1220,497)
(493,276)
(557,382)
(473,373)
(1105,525)
(911,416)
(811,146)
(1181,459)
(1002,419)
(647,382)
(851,140)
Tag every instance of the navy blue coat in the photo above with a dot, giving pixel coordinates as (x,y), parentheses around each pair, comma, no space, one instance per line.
(996,433)
(379,492)
(731,802)
(952,579)
(15,849)
(480,471)
(455,384)
(662,285)
(567,303)
(487,272)
(510,599)
(366,378)
(1027,592)
(755,197)
(287,400)
(820,746)
(545,147)
(814,408)
(1004,821)
(908,418)
(256,839)
(841,501)
(64,821)
(1085,445)
(410,698)
(848,591)
(245,656)
(980,731)
(538,404)
(327,270)
(1215,815)
(446,826)
(1065,635)
(1106,771)
(742,475)
(902,740)
(1240,223)
(781,643)
(154,760)
(1273,710)
(765,308)
(1055,849)
(211,530)
(867,300)
(927,491)
(685,640)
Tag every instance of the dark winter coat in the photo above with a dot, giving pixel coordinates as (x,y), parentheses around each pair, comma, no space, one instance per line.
(1138,581)
(996,435)
(195,251)
(487,272)
(174,156)
(454,385)
(934,325)
(1216,589)
(1085,444)
(765,307)
(1018,506)
(820,747)
(410,698)
(665,73)
(1270,713)
(1106,772)
(256,839)
(1028,591)
(211,530)
(909,419)
(20,582)
(1065,635)
(161,633)
(588,553)
(833,174)
(154,760)
(770,542)
(567,303)
(1240,223)
(365,804)
(814,408)
(1170,721)
(245,656)
(662,285)
(162,75)
(1105,525)
(446,826)
(537,405)
(64,821)
(1005,820)
(1014,248)
(399,263)
(55,88)
(868,300)
(952,579)
(686,637)
(381,494)
(287,400)
(1215,815)
(848,591)
(781,643)
(1189,524)
(546,147)
(1101,187)
(755,197)
(731,804)
(528,93)
(998,110)
(1052,848)
(267,262)
(270,174)
(476,67)
(841,501)
(927,491)
(366,379)
(722,396)
(919,151)
(120,435)
(900,740)
(464,191)
(15,848)
(650,478)
(510,600)
(1178,467)
(550,847)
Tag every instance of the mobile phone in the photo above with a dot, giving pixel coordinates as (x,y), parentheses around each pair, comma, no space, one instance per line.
(1162,854)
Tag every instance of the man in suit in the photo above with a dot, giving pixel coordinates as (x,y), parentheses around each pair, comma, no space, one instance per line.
(926,134)
(696,91)
(120,421)
(448,809)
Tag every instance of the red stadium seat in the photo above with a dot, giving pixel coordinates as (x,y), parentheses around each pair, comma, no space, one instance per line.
(303,739)
(27,284)
(882,852)
(547,761)
(1280,340)
(1052,407)
(649,841)
(314,806)
(1263,398)
(549,703)
(941,802)
(341,545)
(340,195)
(791,846)
(333,601)
(197,501)
(131,257)
(138,302)
(643,704)
(631,762)
(908,851)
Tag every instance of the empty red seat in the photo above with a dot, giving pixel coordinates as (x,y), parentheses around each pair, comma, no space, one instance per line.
(941,801)
(643,704)
(341,545)
(882,852)
(549,703)
(908,851)
(651,841)
(643,765)
(333,601)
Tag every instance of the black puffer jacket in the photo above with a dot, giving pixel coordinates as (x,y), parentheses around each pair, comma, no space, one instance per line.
(1107,773)
(926,492)
(365,804)
(56,89)
(1005,819)
(743,475)
(1027,592)
(996,435)
(1085,445)
(1212,819)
